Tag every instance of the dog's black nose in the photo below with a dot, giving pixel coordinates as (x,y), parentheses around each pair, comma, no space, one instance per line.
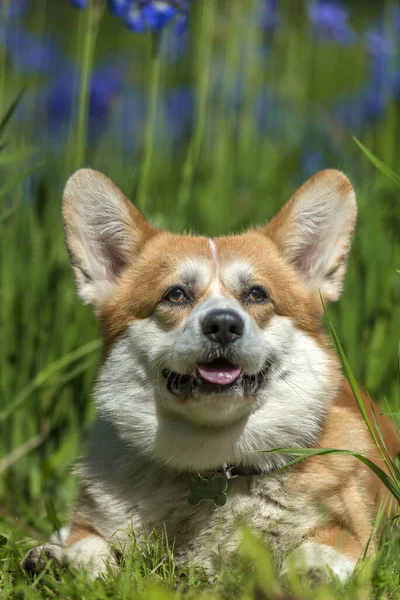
(223,326)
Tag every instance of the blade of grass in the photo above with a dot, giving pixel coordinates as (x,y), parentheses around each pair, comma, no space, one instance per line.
(51,512)
(150,120)
(93,16)
(22,450)
(70,375)
(356,392)
(384,169)
(6,214)
(48,372)
(392,462)
(19,154)
(11,184)
(398,373)
(201,109)
(11,109)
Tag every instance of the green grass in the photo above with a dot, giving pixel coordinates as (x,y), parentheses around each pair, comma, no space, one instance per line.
(222,179)
(149,572)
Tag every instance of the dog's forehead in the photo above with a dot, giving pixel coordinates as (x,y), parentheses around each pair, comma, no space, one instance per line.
(234,260)
(201,271)
(195,271)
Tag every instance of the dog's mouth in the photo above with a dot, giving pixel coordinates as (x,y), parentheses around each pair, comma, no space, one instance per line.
(219,376)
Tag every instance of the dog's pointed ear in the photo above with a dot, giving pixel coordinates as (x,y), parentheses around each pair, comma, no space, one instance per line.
(103,230)
(314,230)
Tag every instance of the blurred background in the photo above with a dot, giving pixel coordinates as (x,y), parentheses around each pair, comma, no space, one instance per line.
(208,114)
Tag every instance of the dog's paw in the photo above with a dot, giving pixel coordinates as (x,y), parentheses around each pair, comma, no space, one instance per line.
(318,563)
(91,554)
(39,557)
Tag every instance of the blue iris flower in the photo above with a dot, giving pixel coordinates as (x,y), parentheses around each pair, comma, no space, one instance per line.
(363,109)
(81,4)
(179,113)
(382,66)
(270,112)
(157,14)
(129,120)
(330,20)
(373,103)
(269,16)
(377,42)
(32,54)
(347,112)
(117,7)
(14,8)
(133,19)
(105,88)
(58,103)
(144,15)
(312,160)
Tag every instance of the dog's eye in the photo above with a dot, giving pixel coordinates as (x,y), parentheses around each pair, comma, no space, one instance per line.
(256,295)
(176,295)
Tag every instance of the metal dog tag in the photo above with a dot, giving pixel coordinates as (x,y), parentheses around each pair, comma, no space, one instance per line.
(213,488)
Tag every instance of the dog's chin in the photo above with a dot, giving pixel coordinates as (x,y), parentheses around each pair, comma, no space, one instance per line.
(217,391)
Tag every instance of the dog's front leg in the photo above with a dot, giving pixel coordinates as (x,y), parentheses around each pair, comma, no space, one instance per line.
(328,552)
(84,549)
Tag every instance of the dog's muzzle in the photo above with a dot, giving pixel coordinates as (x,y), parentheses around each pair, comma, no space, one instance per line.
(219,376)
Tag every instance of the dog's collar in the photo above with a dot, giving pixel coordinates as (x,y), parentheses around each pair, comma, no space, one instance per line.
(213,484)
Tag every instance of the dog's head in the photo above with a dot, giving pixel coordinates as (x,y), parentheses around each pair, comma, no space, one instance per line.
(212,339)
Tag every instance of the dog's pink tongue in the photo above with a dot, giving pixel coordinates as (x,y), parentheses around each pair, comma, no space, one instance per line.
(218,371)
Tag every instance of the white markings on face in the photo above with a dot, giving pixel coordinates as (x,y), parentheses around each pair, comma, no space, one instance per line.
(195,273)
(216,288)
(214,252)
(236,275)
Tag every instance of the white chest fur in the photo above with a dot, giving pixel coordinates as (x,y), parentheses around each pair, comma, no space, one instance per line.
(144,498)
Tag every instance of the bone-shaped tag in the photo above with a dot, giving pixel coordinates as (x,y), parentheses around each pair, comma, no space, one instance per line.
(208,489)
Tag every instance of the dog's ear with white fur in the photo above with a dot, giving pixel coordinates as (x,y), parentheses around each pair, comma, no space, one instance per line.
(314,230)
(103,230)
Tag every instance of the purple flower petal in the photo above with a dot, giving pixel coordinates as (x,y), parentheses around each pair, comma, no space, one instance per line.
(181,24)
(133,18)
(157,14)
(269,18)
(118,7)
(81,4)
(32,54)
(16,8)
(143,15)
(330,19)
(312,161)
(378,44)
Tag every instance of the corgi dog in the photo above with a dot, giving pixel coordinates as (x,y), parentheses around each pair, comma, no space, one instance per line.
(213,353)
